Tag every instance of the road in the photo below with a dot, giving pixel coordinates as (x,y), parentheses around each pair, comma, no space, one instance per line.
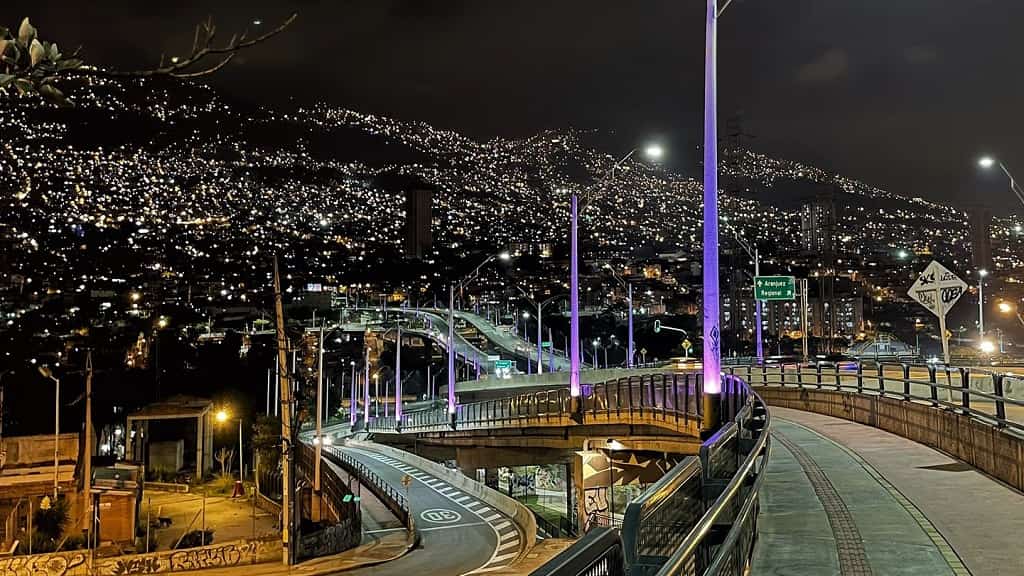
(511,343)
(459,534)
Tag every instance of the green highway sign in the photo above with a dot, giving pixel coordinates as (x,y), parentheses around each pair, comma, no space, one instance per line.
(502,364)
(545,344)
(774,288)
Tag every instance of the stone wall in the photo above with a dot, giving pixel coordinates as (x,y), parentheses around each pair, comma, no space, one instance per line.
(989,448)
(334,539)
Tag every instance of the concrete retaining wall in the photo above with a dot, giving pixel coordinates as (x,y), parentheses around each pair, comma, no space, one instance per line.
(76,563)
(519,513)
(988,448)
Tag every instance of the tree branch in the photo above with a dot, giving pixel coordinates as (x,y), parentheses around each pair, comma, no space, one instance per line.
(202,47)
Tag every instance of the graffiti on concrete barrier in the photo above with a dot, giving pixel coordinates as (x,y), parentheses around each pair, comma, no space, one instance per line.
(136,565)
(41,564)
(215,556)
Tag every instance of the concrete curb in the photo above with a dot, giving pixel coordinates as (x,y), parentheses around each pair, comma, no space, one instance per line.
(521,516)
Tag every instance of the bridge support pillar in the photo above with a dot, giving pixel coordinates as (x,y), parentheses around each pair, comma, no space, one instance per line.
(711,416)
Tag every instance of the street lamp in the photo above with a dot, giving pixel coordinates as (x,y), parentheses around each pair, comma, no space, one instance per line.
(755,255)
(223,416)
(712,360)
(982,273)
(629,324)
(352,396)
(504,256)
(47,373)
(988,162)
(653,152)
(597,342)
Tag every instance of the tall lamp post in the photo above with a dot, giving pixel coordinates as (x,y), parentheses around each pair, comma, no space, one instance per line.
(629,323)
(223,416)
(982,273)
(653,152)
(988,162)
(451,325)
(47,373)
(756,256)
(540,315)
(712,332)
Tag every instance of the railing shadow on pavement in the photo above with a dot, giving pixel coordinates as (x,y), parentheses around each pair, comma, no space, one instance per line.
(700,518)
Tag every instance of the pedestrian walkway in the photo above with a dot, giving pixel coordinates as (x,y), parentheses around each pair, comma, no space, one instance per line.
(844,499)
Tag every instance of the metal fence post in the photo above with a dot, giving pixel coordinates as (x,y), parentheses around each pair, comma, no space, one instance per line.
(965,386)
(906,381)
(881,380)
(932,380)
(860,378)
(997,387)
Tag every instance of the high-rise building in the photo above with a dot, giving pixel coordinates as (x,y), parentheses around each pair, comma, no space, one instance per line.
(418,218)
(818,225)
(981,240)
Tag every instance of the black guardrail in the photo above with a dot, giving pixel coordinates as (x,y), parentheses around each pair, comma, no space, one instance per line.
(700,518)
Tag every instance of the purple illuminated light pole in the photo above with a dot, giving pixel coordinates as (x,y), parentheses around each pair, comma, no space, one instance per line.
(574,303)
(712,332)
(398,379)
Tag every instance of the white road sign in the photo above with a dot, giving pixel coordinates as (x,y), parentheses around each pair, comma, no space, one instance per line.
(937,283)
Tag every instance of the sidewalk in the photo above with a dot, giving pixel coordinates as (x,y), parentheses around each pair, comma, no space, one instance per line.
(843,498)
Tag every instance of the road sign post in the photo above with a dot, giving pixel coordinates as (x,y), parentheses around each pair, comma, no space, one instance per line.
(938,289)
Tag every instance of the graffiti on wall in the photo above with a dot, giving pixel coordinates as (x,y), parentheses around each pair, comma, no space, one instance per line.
(331,540)
(58,564)
(214,556)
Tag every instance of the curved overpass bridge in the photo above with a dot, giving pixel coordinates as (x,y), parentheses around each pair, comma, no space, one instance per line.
(859,459)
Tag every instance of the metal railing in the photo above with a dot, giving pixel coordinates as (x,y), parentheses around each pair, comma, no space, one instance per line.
(669,397)
(700,518)
(385,492)
(994,397)
(598,553)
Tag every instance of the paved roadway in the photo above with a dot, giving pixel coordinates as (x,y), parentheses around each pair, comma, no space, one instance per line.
(511,343)
(460,534)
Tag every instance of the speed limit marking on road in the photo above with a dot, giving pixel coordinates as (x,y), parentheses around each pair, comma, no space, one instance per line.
(441,516)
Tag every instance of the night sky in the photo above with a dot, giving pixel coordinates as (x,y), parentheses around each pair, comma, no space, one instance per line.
(903,94)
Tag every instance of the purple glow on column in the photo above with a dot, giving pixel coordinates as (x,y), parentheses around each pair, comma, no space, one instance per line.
(629,347)
(352,398)
(712,332)
(398,376)
(574,306)
(366,390)
(451,350)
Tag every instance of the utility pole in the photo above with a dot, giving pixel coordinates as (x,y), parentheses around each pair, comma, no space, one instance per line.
(286,424)
(805,323)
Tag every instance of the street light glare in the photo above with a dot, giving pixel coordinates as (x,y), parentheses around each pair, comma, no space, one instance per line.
(1005,307)
(987,162)
(654,152)
(504,256)
(982,272)
(988,347)
(222,416)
